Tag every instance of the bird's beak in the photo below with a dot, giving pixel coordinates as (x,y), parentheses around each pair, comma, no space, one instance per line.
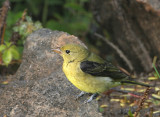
(57,50)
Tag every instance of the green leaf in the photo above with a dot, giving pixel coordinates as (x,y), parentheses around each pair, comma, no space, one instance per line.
(29,19)
(13,17)
(7,57)
(130,113)
(37,25)
(20,49)
(2,47)
(154,66)
(58,17)
(156,70)
(14,52)
(16,29)
(101,110)
(8,44)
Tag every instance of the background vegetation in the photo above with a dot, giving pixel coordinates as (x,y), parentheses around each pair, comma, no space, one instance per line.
(72,16)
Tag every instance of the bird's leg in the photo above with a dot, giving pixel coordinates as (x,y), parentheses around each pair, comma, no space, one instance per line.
(91,98)
(80,95)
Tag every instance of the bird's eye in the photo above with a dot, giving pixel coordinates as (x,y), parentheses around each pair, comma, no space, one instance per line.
(67,51)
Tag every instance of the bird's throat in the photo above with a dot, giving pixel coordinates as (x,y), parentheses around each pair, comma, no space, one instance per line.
(70,62)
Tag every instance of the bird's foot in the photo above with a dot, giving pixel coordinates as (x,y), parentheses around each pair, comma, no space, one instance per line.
(91,98)
(80,95)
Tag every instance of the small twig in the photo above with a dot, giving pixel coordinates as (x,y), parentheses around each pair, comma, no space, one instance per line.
(125,71)
(23,18)
(3,16)
(121,54)
(137,95)
(141,103)
(151,112)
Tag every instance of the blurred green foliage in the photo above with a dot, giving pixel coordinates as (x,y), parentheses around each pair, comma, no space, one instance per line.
(75,18)
(130,114)
(12,18)
(70,16)
(27,27)
(9,52)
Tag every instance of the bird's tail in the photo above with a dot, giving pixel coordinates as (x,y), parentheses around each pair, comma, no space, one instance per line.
(135,82)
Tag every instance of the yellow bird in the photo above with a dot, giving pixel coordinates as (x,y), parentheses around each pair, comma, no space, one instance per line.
(90,73)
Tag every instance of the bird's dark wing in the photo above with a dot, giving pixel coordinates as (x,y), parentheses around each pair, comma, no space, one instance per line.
(102,70)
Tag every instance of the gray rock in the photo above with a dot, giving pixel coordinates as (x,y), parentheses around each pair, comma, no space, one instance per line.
(39,88)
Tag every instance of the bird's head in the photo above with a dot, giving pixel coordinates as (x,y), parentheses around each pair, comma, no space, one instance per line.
(72,52)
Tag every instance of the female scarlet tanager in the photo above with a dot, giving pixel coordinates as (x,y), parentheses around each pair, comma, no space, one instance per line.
(90,73)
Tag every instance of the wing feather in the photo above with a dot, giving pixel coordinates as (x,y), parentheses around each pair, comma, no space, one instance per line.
(102,70)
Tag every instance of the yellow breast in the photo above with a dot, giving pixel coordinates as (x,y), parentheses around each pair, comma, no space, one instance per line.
(86,82)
